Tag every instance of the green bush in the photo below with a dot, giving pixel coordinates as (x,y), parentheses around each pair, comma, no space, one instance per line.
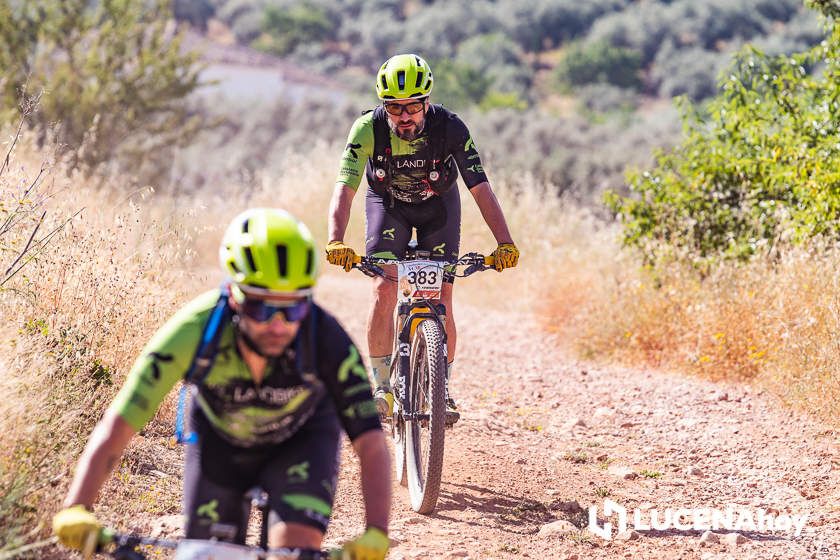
(113,76)
(758,168)
(287,27)
(599,63)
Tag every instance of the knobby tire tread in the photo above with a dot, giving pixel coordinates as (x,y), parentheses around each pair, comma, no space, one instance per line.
(424,487)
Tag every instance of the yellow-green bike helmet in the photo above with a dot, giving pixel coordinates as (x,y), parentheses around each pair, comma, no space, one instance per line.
(404,76)
(269,249)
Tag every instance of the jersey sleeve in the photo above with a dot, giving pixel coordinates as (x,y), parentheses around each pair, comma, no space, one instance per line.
(163,362)
(357,151)
(346,379)
(463,150)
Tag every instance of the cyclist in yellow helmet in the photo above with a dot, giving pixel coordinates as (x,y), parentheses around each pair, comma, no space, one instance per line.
(411,152)
(285,379)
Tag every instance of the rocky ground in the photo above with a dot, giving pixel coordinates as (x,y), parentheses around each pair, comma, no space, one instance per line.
(543,437)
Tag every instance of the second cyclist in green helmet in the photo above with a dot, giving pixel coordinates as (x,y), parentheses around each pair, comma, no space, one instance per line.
(411,152)
(284,382)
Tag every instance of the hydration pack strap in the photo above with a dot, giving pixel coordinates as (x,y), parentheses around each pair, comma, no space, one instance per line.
(205,356)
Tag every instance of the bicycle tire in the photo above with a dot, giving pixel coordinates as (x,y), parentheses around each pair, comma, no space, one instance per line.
(425,439)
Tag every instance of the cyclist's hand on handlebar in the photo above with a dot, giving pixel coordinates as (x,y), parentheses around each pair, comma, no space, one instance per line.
(77,528)
(372,545)
(505,256)
(340,254)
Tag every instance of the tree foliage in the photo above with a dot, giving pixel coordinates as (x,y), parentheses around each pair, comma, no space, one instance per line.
(287,27)
(112,75)
(599,63)
(759,167)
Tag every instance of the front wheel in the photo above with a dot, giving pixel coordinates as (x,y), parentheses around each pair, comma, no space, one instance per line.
(425,426)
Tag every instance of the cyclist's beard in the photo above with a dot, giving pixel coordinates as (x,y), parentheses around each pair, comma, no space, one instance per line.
(407,134)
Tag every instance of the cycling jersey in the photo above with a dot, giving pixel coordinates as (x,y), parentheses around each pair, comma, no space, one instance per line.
(389,226)
(241,412)
(411,159)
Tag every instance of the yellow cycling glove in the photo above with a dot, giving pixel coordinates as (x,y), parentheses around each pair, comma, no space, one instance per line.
(77,528)
(372,545)
(505,256)
(340,254)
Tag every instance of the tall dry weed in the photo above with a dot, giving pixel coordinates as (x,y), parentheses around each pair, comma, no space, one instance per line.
(773,323)
(75,316)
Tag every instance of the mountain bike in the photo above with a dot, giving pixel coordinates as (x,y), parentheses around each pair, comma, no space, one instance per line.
(418,366)
(129,547)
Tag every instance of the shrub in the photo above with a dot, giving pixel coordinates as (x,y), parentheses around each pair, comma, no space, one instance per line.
(757,169)
(591,63)
(113,76)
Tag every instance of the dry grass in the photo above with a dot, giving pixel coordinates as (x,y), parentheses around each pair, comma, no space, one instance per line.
(77,316)
(774,324)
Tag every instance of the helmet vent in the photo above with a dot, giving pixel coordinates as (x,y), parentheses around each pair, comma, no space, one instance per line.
(419,80)
(384,83)
(250,256)
(282,261)
(428,84)
(245,225)
(310,261)
(401,80)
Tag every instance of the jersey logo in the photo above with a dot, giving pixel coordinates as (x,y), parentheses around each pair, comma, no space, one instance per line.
(439,249)
(351,365)
(389,233)
(351,148)
(470,145)
(208,510)
(477,168)
(156,357)
(299,472)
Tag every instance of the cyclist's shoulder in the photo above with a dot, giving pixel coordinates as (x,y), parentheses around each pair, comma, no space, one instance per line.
(191,316)
(362,130)
(363,121)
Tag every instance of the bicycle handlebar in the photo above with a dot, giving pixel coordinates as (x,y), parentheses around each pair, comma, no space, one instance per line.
(475,262)
(127,542)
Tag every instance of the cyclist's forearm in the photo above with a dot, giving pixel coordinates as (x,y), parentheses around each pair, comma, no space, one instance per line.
(492,213)
(340,204)
(376,477)
(101,455)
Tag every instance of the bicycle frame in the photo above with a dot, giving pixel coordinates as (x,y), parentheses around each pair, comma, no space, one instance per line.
(419,368)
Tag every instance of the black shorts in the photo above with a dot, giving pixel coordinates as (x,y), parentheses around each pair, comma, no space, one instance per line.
(298,474)
(389,228)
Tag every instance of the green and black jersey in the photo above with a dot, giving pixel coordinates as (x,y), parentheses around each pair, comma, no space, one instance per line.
(411,159)
(244,413)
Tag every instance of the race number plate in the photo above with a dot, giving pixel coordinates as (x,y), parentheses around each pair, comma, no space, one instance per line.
(419,279)
(190,549)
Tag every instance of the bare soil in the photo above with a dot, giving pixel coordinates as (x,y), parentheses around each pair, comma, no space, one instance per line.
(543,437)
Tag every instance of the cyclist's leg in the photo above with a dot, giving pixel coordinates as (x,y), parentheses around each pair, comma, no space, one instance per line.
(300,480)
(216,475)
(387,236)
(440,233)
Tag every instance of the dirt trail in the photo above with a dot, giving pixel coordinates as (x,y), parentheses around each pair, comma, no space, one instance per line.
(540,432)
(543,437)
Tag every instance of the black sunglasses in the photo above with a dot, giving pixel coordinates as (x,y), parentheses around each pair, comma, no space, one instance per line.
(262,311)
(397,109)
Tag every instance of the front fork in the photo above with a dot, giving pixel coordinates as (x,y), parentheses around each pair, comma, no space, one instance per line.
(407,316)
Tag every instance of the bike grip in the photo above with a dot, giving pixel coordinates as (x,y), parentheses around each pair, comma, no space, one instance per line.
(357,259)
(489,260)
